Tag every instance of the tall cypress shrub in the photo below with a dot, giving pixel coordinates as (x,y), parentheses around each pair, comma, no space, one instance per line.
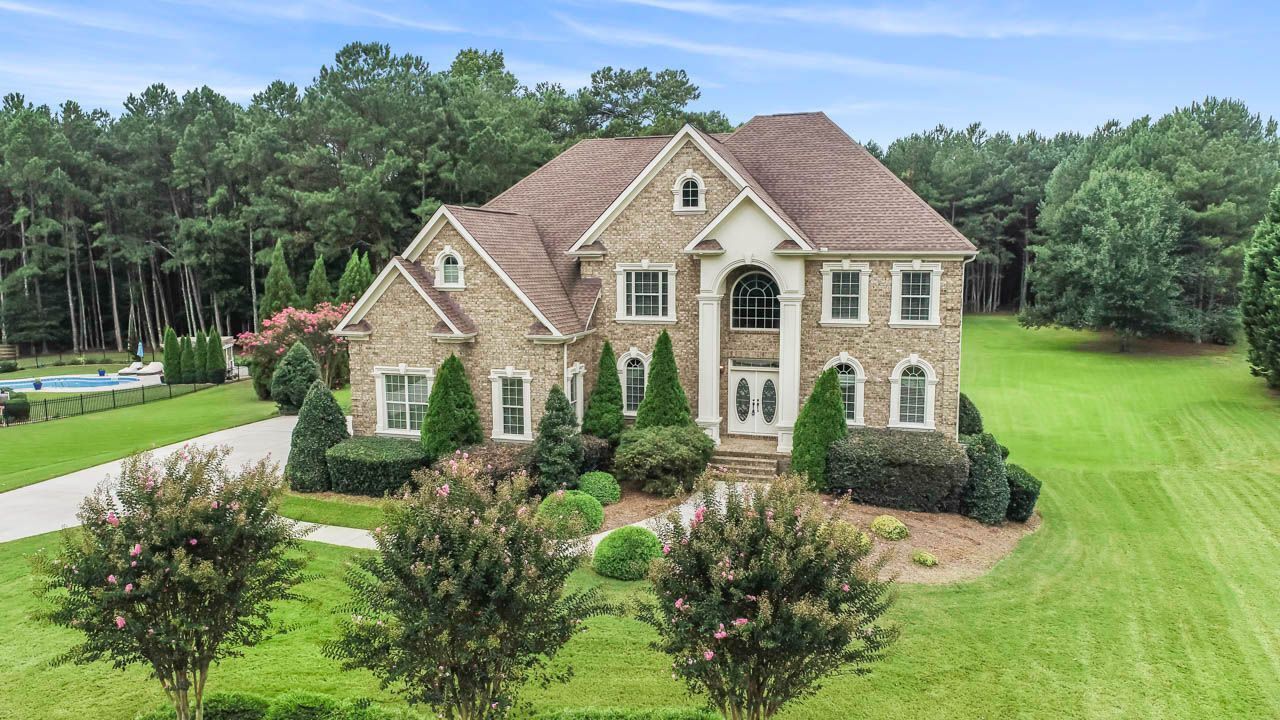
(321,425)
(557,452)
(293,378)
(215,364)
(664,404)
(189,368)
(356,278)
(1260,295)
(452,421)
(318,288)
(172,357)
(279,291)
(201,353)
(603,416)
(821,423)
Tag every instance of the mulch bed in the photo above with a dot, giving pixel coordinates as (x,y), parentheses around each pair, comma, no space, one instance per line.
(635,506)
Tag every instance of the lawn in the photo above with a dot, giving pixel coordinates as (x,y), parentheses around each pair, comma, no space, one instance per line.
(329,509)
(1150,591)
(57,447)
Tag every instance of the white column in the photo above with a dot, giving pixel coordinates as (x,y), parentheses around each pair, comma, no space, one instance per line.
(709,365)
(788,368)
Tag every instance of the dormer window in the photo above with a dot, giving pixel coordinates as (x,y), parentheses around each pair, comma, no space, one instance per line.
(449,270)
(689,193)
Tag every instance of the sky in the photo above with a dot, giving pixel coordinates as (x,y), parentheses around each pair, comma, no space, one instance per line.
(881,70)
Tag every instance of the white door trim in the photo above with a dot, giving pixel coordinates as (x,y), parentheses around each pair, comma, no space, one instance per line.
(755,379)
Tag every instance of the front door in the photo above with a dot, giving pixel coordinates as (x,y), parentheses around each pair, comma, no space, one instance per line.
(753,400)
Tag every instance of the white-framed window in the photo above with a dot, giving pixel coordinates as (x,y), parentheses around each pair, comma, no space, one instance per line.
(845,288)
(573,388)
(688,193)
(753,304)
(511,397)
(633,374)
(401,393)
(911,395)
(449,269)
(916,291)
(851,377)
(646,292)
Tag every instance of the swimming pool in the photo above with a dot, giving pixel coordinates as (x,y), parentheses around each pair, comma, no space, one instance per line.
(70,382)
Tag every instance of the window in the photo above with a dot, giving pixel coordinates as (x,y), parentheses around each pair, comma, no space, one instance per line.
(573,388)
(511,391)
(646,292)
(911,402)
(755,303)
(401,394)
(512,406)
(851,379)
(449,269)
(633,367)
(911,396)
(690,194)
(845,288)
(687,193)
(917,289)
(915,293)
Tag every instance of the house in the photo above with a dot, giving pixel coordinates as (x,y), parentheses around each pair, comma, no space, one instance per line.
(769,254)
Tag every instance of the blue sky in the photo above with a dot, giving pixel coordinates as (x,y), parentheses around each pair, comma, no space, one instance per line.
(881,69)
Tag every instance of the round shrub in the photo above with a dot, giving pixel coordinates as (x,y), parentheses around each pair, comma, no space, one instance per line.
(986,494)
(373,465)
(18,408)
(569,514)
(665,459)
(292,378)
(300,705)
(1024,491)
(889,527)
(922,557)
(601,486)
(626,552)
(8,366)
(970,418)
(235,706)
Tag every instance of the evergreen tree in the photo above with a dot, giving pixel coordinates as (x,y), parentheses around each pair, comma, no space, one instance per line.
(664,404)
(278,290)
(821,423)
(318,288)
(172,357)
(293,377)
(1260,295)
(321,425)
(201,357)
(356,278)
(452,421)
(215,362)
(189,368)
(603,416)
(557,452)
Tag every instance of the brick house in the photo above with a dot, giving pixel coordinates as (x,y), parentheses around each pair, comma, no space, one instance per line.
(769,254)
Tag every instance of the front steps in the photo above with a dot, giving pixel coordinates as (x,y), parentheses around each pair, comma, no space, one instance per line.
(751,465)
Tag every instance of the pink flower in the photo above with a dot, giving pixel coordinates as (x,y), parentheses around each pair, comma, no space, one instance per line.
(752,598)
(698,514)
(443,490)
(192,541)
(214,505)
(136,551)
(666,549)
(235,505)
(741,621)
(720,634)
(679,603)
(119,622)
(708,656)
(112,520)
(111,579)
(844,587)
(128,588)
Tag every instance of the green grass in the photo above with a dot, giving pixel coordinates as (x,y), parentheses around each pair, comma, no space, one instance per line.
(1150,591)
(39,451)
(330,509)
(27,373)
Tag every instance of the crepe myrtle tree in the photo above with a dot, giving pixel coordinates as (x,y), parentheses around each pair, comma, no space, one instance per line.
(464,600)
(763,595)
(177,565)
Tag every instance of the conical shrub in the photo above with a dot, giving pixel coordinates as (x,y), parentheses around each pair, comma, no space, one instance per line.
(321,425)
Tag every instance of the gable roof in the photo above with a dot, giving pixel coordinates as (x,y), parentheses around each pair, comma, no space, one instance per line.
(453,320)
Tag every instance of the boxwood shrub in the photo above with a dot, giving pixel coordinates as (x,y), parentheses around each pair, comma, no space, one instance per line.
(664,460)
(970,418)
(601,486)
(628,714)
(18,408)
(924,472)
(986,494)
(889,528)
(924,558)
(373,465)
(570,514)
(1024,491)
(625,553)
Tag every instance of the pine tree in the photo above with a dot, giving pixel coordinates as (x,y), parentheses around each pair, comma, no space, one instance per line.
(215,362)
(189,368)
(1260,295)
(201,356)
(558,450)
(603,416)
(321,425)
(172,357)
(356,278)
(293,378)
(452,421)
(279,291)
(821,423)
(665,403)
(318,288)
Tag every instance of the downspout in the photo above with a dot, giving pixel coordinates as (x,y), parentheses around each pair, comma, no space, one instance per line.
(960,350)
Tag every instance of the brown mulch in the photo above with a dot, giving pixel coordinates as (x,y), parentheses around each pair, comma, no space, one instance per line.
(965,548)
(636,506)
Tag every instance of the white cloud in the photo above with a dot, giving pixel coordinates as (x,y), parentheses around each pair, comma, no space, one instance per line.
(106,85)
(328,12)
(90,19)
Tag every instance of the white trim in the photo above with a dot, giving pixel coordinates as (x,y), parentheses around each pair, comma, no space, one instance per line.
(378,288)
(573,379)
(895,396)
(864,286)
(620,286)
(495,400)
(935,290)
(859,380)
(622,376)
(441,284)
(379,374)
(677,194)
(674,145)
(733,297)
(748,193)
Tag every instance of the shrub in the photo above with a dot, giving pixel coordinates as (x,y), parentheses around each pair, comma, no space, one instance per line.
(970,418)
(597,453)
(625,553)
(356,278)
(603,416)
(601,486)
(215,363)
(321,425)
(663,460)
(628,714)
(313,328)
(302,705)
(494,460)
(464,601)
(278,290)
(178,566)
(557,452)
(8,366)
(986,494)
(764,595)
(18,407)
(1260,295)
(925,558)
(569,514)
(318,288)
(201,350)
(664,403)
(293,378)
(172,357)
(452,421)
(235,706)
(889,527)
(190,371)
(1024,491)
(373,465)
(821,423)
(925,472)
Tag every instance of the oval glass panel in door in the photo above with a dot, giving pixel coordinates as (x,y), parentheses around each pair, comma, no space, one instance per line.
(768,401)
(743,394)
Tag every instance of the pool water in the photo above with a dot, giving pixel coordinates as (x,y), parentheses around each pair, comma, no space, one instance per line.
(68,382)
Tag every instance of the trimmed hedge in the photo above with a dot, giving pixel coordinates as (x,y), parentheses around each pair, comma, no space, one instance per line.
(1024,491)
(986,494)
(625,553)
(597,453)
(970,418)
(889,528)
(601,486)
(18,408)
(295,705)
(570,514)
(925,472)
(627,714)
(498,461)
(8,366)
(664,460)
(373,465)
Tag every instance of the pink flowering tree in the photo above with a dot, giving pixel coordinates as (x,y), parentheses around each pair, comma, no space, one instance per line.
(764,594)
(464,600)
(312,328)
(177,565)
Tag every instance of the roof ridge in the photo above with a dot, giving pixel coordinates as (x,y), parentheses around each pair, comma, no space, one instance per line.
(482,208)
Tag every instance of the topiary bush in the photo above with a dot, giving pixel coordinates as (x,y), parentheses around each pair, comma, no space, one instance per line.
(235,706)
(603,416)
(597,453)
(925,472)
(985,497)
(215,362)
(321,425)
(373,466)
(452,421)
(293,377)
(889,528)
(601,486)
(557,451)
(625,553)
(190,370)
(663,460)
(1024,491)
(172,357)
(970,418)
(924,558)
(569,514)
(665,403)
(302,705)
(821,423)
(17,408)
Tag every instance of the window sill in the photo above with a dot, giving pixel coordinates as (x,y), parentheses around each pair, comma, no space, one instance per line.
(513,438)
(451,287)
(644,320)
(844,323)
(756,331)
(629,413)
(690,211)
(388,432)
(914,324)
(910,426)
(855,423)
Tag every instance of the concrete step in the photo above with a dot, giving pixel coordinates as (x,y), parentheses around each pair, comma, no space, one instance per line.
(740,460)
(747,455)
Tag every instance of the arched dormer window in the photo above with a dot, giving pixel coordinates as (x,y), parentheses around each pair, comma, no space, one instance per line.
(449,269)
(689,193)
(912,394)
(755,303)
(633,371)
(851,378)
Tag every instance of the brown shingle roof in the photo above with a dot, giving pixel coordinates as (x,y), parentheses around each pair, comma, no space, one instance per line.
(453,310)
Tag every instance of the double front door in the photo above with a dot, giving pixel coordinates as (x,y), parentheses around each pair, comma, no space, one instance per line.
(753,397)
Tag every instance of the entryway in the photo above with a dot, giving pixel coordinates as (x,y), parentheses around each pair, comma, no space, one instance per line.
(753,397)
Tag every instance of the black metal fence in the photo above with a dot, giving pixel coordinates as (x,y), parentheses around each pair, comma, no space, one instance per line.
(84,403)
